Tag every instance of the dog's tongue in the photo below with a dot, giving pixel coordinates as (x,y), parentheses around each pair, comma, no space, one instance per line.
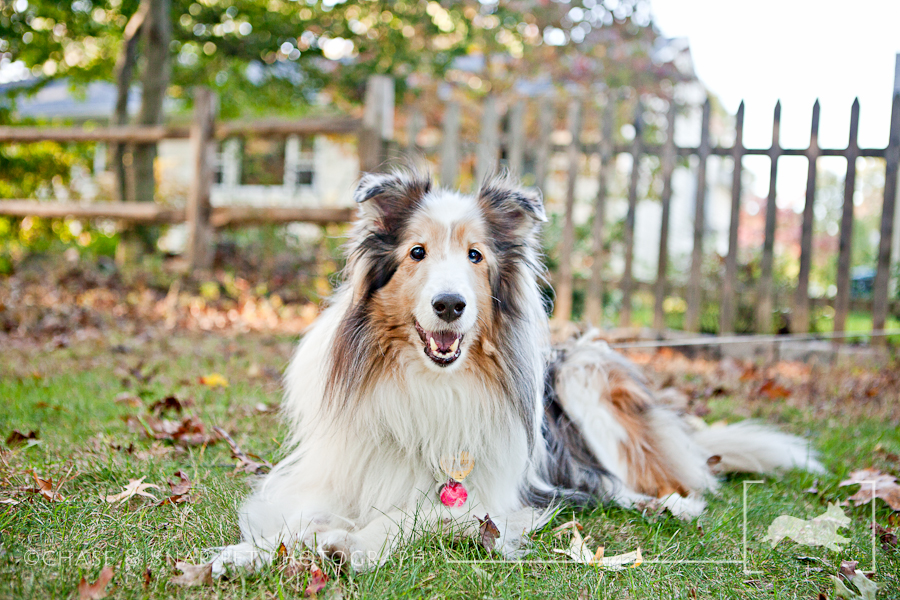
(444,339)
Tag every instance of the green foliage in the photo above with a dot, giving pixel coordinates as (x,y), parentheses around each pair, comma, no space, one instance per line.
(22,237)
(275,55)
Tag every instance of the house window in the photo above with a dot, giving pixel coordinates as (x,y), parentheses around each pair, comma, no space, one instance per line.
(299,162)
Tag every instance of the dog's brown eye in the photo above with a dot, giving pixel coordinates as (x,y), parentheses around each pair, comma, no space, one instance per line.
(417,253)
(475,256)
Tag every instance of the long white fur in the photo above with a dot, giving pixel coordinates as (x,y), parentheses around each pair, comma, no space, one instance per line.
(361,486)
(352,485)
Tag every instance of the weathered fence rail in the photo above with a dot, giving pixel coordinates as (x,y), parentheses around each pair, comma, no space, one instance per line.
(373,132)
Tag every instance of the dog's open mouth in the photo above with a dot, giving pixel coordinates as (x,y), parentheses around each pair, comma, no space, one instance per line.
(443,347)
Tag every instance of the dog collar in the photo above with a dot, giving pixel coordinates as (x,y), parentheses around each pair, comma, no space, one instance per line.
(453,493)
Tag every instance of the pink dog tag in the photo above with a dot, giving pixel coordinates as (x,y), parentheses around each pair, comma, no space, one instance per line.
(453,494)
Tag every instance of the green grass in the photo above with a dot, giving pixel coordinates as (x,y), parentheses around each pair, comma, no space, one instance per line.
(68,396)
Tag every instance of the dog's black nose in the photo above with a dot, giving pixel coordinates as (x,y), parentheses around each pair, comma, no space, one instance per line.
(448,307)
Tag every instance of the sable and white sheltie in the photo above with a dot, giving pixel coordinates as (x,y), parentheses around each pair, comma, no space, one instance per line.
(428,393)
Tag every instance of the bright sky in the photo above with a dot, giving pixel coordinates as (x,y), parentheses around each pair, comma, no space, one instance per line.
(795,50)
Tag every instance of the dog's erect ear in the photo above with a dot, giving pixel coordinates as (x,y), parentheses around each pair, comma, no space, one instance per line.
(502,194)
(512,209)
(386,200)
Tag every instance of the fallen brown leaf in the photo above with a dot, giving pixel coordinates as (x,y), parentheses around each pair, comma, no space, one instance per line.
(318,579)
(488,534)
(17,438)
(182,485)
(45,488)
(888,537)
(96,590)
(246,464)
(773,391)
(169,403)
(848,568)
(885,487)
(579,550)
(192,575)
(129,399)
(135,487)
(179,488)
(189,431)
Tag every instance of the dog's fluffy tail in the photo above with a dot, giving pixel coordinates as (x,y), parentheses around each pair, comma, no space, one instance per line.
(752,447)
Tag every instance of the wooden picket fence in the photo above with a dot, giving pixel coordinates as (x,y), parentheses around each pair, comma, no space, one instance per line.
(376,130)
(513,146)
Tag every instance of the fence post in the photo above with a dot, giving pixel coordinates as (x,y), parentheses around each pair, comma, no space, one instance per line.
(695,290)
(764,302)
(488,152)
(842,299)
(563,309)
(515,153)
(542,155)
(882,286)
(726,311)
(414,124)
(450,145)
(627,276)
(201,237)
(800,314)
(662,263)
(378,123)
(593,307)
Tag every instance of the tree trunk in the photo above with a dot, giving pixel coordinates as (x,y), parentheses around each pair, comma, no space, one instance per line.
(157,33)
(124,75)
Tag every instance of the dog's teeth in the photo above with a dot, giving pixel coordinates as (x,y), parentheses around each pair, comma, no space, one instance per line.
(454,346)
(434,346)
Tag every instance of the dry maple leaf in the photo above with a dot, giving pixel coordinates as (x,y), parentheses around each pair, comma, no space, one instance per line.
(316,582)
(96,590)
(45,488)
(189,431)
(874,484)
(180,488)
(487,532)
(246,464)
(773,391)
(135,487)
(17,438)
(192,575)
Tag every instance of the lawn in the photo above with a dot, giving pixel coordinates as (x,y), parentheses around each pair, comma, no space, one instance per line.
(92,445)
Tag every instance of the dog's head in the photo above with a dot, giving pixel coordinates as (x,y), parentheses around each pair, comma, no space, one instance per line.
(432,269)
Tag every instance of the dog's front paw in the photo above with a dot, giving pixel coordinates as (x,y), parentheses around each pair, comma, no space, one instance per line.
(513,547)
(242,556)
(344,548)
